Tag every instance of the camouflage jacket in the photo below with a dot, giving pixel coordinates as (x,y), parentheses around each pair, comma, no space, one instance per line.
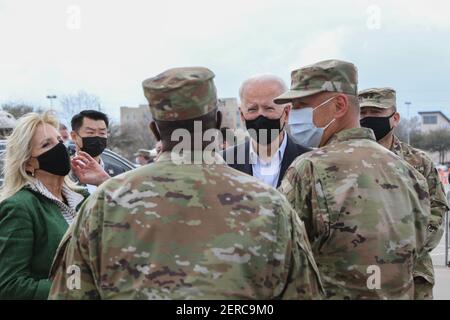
(186,231)
(438,201)
(365,212)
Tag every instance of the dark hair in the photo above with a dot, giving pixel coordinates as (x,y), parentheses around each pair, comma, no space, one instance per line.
(77,120)
(223,130)
(209,121)
(228,135)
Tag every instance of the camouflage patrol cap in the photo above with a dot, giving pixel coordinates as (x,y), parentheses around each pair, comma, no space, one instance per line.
(181,93)
(382,98)
(142,152)
(328,75)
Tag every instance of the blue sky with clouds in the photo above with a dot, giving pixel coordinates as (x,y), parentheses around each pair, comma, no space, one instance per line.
(109,47)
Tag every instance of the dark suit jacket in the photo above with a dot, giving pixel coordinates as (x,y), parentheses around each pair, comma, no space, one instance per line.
(291,152)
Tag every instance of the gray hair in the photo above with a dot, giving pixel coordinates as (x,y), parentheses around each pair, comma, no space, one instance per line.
(262,78)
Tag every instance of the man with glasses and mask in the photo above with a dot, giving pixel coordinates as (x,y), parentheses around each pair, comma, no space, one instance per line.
(269,151)
(365,211)
(379,113)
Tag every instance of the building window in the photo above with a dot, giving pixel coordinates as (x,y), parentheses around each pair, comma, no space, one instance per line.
(429,119)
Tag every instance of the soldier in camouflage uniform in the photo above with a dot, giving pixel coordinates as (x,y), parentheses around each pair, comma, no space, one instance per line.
(186,231)
(364,209)
(379,113)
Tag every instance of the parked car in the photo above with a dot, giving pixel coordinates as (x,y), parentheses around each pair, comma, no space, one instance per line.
(114,160)
(115,164)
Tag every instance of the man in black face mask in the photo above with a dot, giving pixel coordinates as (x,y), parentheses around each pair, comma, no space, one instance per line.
(379,113)
(270,151)
(90,132)
(90,135)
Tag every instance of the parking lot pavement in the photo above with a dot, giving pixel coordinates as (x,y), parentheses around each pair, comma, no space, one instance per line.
(442,273)
(442,287)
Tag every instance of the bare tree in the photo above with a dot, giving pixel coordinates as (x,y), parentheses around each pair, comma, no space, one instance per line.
(126,140)
(72,104)
(413,125)
(18,109)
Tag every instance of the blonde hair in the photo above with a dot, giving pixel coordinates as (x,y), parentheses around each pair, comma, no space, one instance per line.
(18,152)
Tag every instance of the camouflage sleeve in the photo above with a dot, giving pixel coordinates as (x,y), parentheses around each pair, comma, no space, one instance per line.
(297,187)
(304,278)
(74,271)
(439,206)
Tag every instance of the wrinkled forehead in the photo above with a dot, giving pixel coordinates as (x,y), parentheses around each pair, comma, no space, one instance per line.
(263,85)
(261,93)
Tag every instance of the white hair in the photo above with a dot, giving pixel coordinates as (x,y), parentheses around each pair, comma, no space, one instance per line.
(262,78)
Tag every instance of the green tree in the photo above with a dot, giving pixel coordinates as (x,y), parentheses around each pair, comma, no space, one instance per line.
(434,141)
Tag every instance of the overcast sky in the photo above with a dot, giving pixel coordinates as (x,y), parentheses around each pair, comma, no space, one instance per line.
(109,47)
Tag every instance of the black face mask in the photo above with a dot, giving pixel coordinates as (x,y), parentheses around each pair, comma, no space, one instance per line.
(380,125)
(94,146)
(261,128)
(55,161)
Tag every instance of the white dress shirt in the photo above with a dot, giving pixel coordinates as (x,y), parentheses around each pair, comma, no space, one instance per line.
(268,172)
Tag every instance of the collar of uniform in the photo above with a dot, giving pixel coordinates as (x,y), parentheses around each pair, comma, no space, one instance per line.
(354,133)
(254,158)
(192,157)
(396,146)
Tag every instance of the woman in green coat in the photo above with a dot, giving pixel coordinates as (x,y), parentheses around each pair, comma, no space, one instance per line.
(38,203)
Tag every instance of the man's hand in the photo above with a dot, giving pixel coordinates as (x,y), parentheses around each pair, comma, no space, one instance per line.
(88,170)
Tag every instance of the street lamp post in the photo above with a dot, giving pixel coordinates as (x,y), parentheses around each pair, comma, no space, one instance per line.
(51,98)
(408,129)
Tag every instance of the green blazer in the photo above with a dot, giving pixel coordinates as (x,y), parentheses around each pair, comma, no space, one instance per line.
(31,227)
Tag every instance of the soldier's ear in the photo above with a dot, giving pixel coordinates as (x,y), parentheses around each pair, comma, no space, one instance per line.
(341,106)
(154,129)
(396,118)
(218,120)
